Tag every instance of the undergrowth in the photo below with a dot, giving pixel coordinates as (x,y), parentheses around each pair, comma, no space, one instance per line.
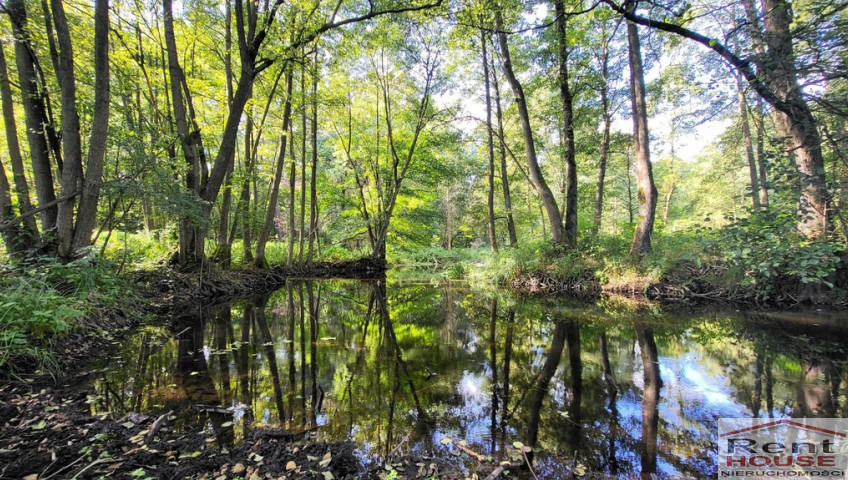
(43,300)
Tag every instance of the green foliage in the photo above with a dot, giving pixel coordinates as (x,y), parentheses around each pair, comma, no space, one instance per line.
(772,255)
(43,300)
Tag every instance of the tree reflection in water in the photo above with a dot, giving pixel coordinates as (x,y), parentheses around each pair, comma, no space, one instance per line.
(396,368)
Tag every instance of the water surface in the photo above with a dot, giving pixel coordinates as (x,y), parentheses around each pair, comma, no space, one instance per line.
(618,386)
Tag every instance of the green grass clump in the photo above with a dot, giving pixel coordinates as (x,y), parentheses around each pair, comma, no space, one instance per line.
(42,300)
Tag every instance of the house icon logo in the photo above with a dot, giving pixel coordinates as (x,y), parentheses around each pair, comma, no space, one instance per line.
(784,448)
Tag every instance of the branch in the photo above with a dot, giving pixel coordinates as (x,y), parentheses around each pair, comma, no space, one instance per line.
(743,65)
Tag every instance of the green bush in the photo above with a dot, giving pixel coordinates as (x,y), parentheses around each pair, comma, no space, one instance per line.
(773,255)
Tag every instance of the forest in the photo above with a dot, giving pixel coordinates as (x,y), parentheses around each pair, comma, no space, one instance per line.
(161,157)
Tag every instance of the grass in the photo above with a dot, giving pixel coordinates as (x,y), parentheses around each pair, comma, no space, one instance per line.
(43,300)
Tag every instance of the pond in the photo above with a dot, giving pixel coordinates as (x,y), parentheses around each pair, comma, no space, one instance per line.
(615,385)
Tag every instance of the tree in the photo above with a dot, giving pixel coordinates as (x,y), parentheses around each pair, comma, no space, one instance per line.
(776,82)
(535,173)
(647,193)
(567,100)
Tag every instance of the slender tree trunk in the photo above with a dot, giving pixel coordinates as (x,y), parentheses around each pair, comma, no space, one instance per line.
(510,221)
(18,173)
(247,208)
(87,212)
(491,146)
(274,195)
(12,234)
(35,114)
(313,173)
(71,144)
(761,154)
(567,133)
(301,238)
(535,172)
(292,175)
(647,192)
(605,136)
(749,144)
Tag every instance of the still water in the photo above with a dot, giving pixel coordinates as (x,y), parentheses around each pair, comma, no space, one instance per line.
(618,386)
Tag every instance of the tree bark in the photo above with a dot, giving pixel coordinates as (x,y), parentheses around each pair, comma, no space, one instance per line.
(570,230)
(72,175)
(647,191)
(761,154)
(18,173)
(313,193)
(605,135)
(13,235)
(274,195)
(87,212)
(490,146)
(813,205)
(35,114)
(510,221)
(749,144)
(535,173)
(300,238)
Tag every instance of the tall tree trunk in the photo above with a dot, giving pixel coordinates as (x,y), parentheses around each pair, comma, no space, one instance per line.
(647,192)
(191,234)
(300,237)
(87,212)
(749,144)
(18,173)
(490,144)
(510,221)
(313,173)
(245,210)
(761,154)
(72,175)
(12,234)
(274,195)
(35,114)
(813,205)
(535,172)
(223,253)
(567,133)
(292,176)
(605,135)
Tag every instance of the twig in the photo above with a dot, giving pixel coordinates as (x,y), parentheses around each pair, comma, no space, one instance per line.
(96,462)
(156,426)
(398,446)
(527,461)
(57,472)
(495,473)
(470,452)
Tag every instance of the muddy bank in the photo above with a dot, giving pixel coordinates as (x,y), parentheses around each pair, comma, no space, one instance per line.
(48,432)
(677,289)
(171,288)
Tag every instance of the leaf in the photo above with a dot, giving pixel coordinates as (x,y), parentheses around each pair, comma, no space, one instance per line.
(328,475)
(580,470)
(39,426)
(291,466)
(518,445)
(226,424)
(128,424)
(446,440)
(190,455)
